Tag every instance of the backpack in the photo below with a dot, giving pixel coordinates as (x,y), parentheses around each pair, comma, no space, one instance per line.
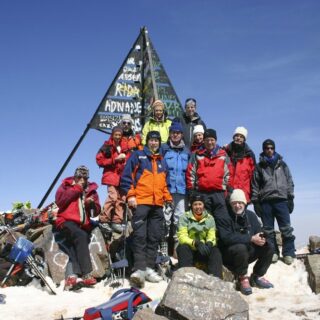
(124,300)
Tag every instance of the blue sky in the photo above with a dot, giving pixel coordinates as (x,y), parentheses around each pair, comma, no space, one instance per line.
(249,63)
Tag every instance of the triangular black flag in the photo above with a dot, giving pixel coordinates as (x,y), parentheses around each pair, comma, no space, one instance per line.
(140,80)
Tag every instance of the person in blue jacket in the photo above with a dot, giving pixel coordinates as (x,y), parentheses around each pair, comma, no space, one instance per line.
(176,155)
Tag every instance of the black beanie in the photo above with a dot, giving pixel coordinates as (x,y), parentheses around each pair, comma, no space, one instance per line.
(153,135)
(210,133)
(268,142)
(196,197)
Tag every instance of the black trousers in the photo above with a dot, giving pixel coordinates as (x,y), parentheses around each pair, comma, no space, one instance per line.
(188,257)
(77,247)
(147,225)
(238,257)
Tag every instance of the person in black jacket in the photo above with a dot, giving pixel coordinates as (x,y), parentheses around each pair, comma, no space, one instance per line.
(272,197)
(242,241)
(189,119)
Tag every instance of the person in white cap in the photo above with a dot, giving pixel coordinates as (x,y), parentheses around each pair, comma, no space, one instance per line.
(198,138)
(243,241)
(243,162)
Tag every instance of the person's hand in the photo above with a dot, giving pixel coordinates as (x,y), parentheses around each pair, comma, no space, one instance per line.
(290,205)
(258,240)
(257,208)
(202,248)
(132,202)
(120,157)
(89,200)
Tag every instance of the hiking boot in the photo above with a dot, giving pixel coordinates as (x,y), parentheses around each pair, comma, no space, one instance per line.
(244,285)
(152,275)
(275,258)
(137,279)
(260,282)
(88,280)
(288,260)
(72,283)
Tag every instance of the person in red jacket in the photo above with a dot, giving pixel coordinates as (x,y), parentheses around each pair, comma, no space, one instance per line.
(78,200)
(131,140)
(197,142)
(243,162)
(112,157)
(208,174)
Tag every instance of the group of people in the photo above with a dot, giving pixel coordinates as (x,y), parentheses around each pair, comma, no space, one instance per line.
(178,163)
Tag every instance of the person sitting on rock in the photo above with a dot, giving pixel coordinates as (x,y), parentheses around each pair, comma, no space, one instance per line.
(242,241)
(77,199)
(197,239)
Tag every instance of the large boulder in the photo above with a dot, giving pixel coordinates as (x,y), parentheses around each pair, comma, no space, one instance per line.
(314,243)
(313,268)
(57,260)
(192,294)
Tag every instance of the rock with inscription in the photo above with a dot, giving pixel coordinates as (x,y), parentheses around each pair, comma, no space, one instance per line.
(192,294)
(313,268)
(147,314)
(99,254)
(314,243)
(57,260)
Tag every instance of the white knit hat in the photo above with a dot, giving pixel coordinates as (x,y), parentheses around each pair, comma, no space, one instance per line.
(127,117)
(241,130)
(198,129)
(238,195)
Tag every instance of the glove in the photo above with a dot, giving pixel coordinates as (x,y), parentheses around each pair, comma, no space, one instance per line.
(202,248)
(290,205)
(257,208)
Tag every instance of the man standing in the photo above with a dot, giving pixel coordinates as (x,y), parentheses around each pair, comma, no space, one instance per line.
(272,196)
(243,162)
(189,120)
(130,140)
(112,157)
(77,200)
(208,174)
(242,242)
(144,182)
(176,156)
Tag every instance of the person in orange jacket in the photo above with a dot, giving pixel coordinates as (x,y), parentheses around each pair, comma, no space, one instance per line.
(144,182)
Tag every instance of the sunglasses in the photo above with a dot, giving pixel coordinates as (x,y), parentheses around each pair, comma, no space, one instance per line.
(269,148)
(126,123)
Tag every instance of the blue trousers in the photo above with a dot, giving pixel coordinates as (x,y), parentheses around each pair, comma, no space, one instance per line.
(278,209)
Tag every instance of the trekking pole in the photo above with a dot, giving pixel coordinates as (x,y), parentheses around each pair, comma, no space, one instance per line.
(124,234)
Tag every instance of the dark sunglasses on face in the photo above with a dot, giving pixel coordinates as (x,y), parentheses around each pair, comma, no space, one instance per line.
(128,123)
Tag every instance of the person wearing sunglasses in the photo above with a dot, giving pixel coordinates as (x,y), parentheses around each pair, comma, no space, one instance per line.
(130,139)
(272,197)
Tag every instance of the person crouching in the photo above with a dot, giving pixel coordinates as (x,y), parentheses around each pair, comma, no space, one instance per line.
(242,241)
(197,239)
